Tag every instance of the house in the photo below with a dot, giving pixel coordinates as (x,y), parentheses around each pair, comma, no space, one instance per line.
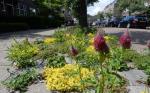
(17,8)
(110,8)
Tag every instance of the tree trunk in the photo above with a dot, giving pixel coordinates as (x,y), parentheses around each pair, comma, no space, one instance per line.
(82,13)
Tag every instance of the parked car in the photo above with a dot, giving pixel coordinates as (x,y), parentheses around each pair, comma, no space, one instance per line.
(134,21)
(105,22)
(114,22)
(69,23)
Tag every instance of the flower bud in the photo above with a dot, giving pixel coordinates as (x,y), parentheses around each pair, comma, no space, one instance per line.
(100,44)
(148,44)
(73,51)
(125,40)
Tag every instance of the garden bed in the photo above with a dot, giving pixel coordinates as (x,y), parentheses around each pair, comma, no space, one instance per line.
(68,61)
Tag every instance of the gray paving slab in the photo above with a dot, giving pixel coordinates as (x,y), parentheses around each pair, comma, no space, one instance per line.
(38,88)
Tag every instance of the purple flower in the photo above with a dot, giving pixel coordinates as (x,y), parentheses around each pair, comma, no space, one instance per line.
(73,51)
(125,40)
(100,44)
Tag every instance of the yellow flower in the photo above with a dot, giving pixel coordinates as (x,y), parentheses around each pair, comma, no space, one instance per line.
(66,78)
(90,49)
(49,40)
(108,38)
(90,35)
(91,41)
(68,35)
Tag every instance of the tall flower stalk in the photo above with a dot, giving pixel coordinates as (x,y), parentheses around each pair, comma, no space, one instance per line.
(74,53)
(102,48)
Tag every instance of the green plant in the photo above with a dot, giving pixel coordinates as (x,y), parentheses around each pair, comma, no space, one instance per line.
(71,36)
(22,53)
(21,81)
(88,60)
(116,61)
(143,63)
(130,55)
(60,35)
(55,60)
(113,81)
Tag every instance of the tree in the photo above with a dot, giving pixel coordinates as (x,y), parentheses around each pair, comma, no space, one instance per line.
(77,7)
(48,7)
(108,15)
(100,15)
(130,5)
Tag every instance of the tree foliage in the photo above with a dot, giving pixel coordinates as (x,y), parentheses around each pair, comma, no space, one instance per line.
(77,7)
(131,5)
(49,6)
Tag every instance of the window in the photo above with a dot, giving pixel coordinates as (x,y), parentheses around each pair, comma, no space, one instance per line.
(24,7)
(21,9)
(1,8)
(9,10)
(1,1)
(9,1)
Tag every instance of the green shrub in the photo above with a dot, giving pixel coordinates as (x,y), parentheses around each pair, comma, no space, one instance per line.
(22,53)
(34,22)
(13,26)
(21,81)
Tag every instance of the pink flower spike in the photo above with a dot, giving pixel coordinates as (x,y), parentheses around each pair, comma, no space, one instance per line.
(73,51)
(100,44)
(125,40)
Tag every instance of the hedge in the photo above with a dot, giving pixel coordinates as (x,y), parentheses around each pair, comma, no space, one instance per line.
(34,22)
(8,27)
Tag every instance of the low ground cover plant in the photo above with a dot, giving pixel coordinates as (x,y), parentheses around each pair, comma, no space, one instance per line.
(21,81)
(22,53)
(67,78)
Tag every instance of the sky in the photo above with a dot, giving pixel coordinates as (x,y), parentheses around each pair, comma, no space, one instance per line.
(98,6)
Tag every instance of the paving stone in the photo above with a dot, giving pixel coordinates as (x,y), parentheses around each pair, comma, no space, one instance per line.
(134,77)
(138,89)
(38,88)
